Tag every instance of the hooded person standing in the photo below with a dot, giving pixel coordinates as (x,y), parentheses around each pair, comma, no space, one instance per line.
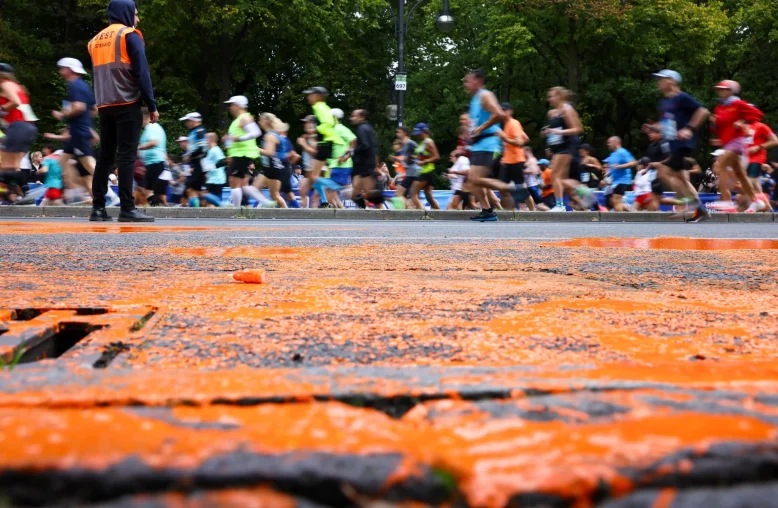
(121,80)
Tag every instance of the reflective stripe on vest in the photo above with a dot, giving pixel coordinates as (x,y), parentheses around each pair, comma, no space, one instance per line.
(113,80)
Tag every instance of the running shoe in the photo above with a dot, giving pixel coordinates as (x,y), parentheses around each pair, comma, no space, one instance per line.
(398,203)
(268,204)
(699,215)
(587,196)
(484,216)
(558,209)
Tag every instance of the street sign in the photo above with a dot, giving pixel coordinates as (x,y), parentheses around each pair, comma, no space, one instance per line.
(401,82)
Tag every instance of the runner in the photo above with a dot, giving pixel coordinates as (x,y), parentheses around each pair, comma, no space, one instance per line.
(213,166)
(15,110)
(326,128)
(680,117)
(620,164)
(275,169)
(457,174)
(728,123)
(197,149)
(514,138)
(644,197)
(78,109)
(761,139)
(427,154)
(340,164)
(562,138)
(242,149)
(308,144)
(153,154)
(407,156)
(548,200)
(52,168)
(532,176)
(291,158)
(590,168)
(365,160)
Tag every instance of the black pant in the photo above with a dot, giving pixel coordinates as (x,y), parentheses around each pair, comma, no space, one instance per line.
(153,172)
(120,128)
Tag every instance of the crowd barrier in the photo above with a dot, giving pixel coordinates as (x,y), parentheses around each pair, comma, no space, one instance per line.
(441,196)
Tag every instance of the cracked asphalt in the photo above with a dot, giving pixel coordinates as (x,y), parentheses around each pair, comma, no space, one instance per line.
(409,363)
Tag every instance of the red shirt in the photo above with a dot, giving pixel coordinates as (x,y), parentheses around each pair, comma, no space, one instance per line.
(16,114)
(727,115)
(760,134)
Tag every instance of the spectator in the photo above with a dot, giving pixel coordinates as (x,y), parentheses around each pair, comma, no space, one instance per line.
(532,175)
(54,183)
(644,198)
(36,160)
(620,164)
(547,198)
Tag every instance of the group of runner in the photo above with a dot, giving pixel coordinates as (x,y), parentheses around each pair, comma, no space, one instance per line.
(339,163)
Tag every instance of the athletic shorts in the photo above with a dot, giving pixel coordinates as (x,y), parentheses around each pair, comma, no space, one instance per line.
(677,161)
(754,170)
(656,187)
(513,173)
(408,182)
(737,145)
(549,201)
(535,193)
(363,171)
(82,172)
(324,151)
(462,194)
(574,173)
(644,199)
(79,145)
(428,178)
(483,159)
(19,136)
(239,167)
(621,189)
(196,180)
(286,180)
(53,194)
(153,172)
(341,176)
(273,173)
(215,189)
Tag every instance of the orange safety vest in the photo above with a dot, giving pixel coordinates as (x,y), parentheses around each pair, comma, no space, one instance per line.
(113,80)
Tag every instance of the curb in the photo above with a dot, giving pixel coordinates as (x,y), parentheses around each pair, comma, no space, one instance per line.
(22,212)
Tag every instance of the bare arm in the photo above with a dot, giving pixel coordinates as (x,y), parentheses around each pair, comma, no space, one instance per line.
(10,93)
(270,146)
(695,123)
(573,121)
(490,104)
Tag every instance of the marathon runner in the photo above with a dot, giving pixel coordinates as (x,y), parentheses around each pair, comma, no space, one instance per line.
(291,158)
(620,164)
(317,97)
(427,155)
(196,150)
(153,153)
(308,144)
(213,166)
(514,138)
(761,139)
(16,112)
(680,117)
(407,157)
(562,138)
(53,170)
(242,149)
(275,168)
(365,158)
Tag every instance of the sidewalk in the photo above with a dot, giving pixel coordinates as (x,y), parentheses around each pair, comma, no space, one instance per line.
(351,214)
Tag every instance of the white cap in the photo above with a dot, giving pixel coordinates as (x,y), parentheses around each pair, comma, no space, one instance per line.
(669,74)
(59,152)
(238,100)
(197,117)
(337,113)
(182,138)
(72,64)
(718,153)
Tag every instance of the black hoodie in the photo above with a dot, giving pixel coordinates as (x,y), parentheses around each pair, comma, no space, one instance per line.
(123,12)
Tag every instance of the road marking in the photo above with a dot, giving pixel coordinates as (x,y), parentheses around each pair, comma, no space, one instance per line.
(401,238)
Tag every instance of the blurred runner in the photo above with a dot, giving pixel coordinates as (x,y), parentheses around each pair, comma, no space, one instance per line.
(325,126)
(213,166)
(427,155)
(275,169)
(620,164)
(308,144)
(760,140)
(196,150)
(513,160)
(52,169)
(242,149)
(16,112)
(153,154)
(365,160)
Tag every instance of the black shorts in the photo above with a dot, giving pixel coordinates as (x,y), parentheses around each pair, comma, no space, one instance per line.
(286,180)
(214,188)
(462,194)
(483,159)
(549,201)
(408,182)
(656,187)
(621,189)
(428,178)
(754,170)
(564,149)
(513,173)
(79,145)
(273,173)
(323,151)
(196,180)
(19,136)
(363,171)
(574,173)
(82,172)
(153,172)
(239,167)
(677,161)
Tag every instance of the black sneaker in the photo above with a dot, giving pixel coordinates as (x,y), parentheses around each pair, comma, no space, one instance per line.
(99,215)
(134,216)
(699,215)
(484,216)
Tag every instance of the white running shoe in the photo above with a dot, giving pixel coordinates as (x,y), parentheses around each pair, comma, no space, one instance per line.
(558,209)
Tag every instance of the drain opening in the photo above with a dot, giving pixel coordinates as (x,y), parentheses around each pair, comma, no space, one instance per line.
(57,344)
(30,314)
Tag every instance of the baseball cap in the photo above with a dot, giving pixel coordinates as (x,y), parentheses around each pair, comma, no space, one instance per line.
(543,162)
(645,161)
(316,90)
(239,100)
(507,105)
(337,113)
(197,117)
(419,128)
(718,153)
(4,67)
(59,152)
(309,118)
(72,64)
(181,138)
(728,84)
(667,73)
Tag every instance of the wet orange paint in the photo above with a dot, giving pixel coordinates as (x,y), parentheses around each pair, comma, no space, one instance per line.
(671,243)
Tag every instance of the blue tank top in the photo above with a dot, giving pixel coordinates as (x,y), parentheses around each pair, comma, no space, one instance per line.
(488,141)
(277,160)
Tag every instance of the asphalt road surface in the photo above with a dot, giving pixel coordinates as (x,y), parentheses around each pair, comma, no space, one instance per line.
(522,364)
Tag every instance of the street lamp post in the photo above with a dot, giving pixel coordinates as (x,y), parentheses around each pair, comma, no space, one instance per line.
(444,22)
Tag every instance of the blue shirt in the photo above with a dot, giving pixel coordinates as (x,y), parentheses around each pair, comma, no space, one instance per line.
(488,141)
(216,175)
(157,154)
(79,91)
(54,174)
(675,114)
(620,176)
(197,145)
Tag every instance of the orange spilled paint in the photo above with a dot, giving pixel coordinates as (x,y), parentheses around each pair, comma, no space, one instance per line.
(670,243)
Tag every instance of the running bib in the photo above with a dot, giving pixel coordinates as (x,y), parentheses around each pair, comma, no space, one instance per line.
(554,139)
(26,110)
(669,129)
(584,177)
